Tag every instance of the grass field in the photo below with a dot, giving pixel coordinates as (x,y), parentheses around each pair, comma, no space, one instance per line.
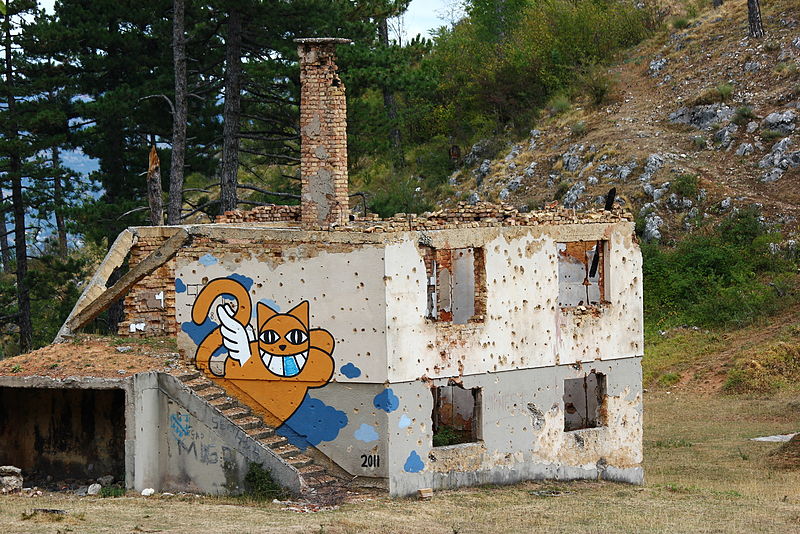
(702,475)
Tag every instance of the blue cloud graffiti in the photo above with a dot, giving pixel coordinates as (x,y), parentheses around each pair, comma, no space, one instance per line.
(404,422)
(198,332)
(246,281)
(351,371)
(312,423)
(414,463)
(366,433)
(386,401)
(207,259)
(180,287)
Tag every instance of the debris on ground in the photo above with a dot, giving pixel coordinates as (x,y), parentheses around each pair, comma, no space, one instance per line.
(778,438)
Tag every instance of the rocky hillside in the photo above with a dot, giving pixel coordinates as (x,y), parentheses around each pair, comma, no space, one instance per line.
(700,121)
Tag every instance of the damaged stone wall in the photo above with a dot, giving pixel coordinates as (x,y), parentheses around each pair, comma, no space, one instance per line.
(370,408)
(524,326)
(524,437)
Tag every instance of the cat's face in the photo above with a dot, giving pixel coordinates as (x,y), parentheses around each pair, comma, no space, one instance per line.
(283,339)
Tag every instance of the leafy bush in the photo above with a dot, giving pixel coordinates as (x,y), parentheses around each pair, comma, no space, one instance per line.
(112,491)
(699,142)
(722,278)
(725,91)
(596,83)
(447,435)
(559,104)
(680,23)
(561,190)
(578,129)
(259,485)
(669,379)
(686,185)
(771,135)
(712,95)
(744,114)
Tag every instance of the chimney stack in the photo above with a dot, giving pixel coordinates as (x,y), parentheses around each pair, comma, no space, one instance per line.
(323,133)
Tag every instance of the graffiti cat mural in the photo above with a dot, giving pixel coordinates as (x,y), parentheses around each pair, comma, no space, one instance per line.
(274,364)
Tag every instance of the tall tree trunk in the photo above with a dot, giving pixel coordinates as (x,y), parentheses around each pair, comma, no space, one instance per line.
(5,250)
(389,101)
(754,18)
(230,131)
(179,116)
(18,206)
(154,189)
(58,201)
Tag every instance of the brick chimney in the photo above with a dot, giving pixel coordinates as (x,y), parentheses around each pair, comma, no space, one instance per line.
(323,133)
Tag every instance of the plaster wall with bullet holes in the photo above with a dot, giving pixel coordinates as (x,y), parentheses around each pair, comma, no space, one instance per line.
(486,331)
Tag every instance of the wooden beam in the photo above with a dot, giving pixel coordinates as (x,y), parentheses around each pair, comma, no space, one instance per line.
(156,259)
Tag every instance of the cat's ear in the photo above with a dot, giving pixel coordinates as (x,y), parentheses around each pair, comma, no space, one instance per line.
(265,313)
(300,312)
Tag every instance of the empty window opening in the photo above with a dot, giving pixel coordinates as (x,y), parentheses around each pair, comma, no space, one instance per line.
(581,277)
(456,284)
(61,434)
(583,401)
(456,415)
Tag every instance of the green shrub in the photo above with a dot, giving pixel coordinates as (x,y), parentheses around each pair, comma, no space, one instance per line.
(446,435)
(561,190)
(259,485)
(744,114)
(725,91)
(721,278)
(559,104)
(578,129)
(699,142)
(786,68)
(686,185)
(596,83)
(680,23)
(772,135)
(112,491)
(669,379)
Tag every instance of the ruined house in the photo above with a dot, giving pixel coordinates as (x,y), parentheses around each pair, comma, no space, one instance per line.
(471,345)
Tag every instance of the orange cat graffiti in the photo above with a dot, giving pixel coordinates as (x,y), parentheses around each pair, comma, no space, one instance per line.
(273,366)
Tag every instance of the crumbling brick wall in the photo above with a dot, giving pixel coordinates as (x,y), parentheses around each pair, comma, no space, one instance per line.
(323,132)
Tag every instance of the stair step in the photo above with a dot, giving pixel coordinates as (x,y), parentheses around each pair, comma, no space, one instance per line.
(249,422)
(312,470)
(286,451)
(223,403)
(319,481)
(275,441)
(261,433)
(236,413)
(300,460)
(199,383)
(187,376)
(212,393)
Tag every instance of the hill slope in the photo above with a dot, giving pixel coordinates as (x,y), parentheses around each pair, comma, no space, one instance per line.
(700,121)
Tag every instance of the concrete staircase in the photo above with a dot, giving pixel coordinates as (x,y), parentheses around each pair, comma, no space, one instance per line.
(318,483)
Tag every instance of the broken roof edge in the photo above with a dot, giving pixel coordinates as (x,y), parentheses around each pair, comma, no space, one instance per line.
(322,40)
(462,215)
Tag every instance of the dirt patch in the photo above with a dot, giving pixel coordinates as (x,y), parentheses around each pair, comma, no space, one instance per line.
(788,455)
(96,356)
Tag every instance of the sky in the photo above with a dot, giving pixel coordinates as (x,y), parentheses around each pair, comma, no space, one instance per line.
(424,15)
